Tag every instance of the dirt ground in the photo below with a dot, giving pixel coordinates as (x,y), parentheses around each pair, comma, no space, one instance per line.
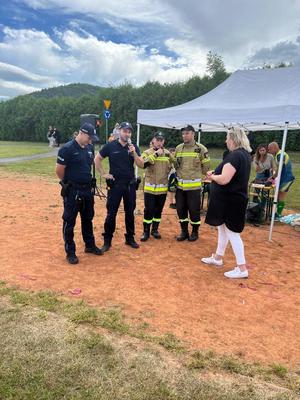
(162,283)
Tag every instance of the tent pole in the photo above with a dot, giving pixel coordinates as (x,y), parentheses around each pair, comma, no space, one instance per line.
(278,179)
(138,144)
(199,133)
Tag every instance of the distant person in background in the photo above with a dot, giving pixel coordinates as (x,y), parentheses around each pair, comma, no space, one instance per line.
(115,133)
(56,136)
(264,164)
(50,136)
(286,177)
(228,201)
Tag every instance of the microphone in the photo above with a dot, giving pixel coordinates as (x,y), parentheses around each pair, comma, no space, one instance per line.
(129,142)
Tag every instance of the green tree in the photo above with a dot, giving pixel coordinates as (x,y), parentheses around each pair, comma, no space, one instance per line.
(215,65)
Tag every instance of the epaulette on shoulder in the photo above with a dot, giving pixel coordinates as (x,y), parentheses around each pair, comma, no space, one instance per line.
(179,147)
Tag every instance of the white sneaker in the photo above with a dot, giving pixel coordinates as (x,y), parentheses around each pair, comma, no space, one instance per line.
(212,261)
(236,273)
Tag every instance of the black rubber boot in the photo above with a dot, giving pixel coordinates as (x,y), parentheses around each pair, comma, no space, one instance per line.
(184,234)
(154,230)
(194,235)
(146,235)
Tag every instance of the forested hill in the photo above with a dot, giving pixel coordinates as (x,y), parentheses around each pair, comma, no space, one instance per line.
(28,117)
(71,90)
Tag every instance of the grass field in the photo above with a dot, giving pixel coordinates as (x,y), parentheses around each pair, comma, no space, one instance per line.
(45,167)
(57,349)
(18,149)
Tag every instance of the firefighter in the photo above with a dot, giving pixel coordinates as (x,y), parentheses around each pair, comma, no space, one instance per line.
(158,163)
(191,160)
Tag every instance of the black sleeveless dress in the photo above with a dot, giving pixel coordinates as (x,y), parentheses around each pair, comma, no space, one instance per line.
(228,203)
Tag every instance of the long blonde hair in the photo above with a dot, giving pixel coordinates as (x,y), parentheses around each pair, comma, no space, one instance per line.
(239,138)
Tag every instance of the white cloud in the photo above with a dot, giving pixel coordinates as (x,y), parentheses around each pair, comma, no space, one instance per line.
(112,63)
(143,11)
(32,50)
(11,72)
(173,39)
(288,52)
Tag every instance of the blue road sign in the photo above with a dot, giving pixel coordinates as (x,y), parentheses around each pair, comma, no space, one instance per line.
(107,114)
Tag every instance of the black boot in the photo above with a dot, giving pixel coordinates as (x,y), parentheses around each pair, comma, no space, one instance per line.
(107,245)
(72,259)
(145,236)
(194,235)
(154,230)
(129,240)
(184,234)
(94,250)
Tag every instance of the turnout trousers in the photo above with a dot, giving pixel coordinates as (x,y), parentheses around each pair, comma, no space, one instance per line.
(78,200)
(188,206)
(119,191)
(154,204)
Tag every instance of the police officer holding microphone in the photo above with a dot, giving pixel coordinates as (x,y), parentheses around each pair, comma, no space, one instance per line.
(121,182)
(73,168)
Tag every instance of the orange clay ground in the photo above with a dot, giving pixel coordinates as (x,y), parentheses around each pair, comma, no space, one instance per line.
(162,283)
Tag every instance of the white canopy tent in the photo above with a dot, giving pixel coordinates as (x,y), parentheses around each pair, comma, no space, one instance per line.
(266,99)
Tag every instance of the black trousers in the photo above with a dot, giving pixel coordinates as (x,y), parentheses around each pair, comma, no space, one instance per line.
(154,204)
(120,191)
(72,206)
(188,206)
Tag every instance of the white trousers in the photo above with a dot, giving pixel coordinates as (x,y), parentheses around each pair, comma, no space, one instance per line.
(225,235)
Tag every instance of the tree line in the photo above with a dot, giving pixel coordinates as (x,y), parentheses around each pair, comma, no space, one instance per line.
(28,117)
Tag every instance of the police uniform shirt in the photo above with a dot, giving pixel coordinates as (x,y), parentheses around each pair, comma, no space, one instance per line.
(121,161)
(78,161)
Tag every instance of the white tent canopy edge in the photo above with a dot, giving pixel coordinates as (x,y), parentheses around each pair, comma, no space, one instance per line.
(266,99)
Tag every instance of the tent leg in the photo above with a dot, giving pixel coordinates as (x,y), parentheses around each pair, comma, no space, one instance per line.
(278,179)
(199,134)
(138,143)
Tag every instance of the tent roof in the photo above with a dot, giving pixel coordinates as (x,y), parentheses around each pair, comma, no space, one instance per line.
(261,99)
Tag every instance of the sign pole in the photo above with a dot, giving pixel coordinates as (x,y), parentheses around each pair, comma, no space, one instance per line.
(106,130)
(106,104)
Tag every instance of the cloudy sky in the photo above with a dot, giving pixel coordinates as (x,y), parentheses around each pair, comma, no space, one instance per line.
(45,43)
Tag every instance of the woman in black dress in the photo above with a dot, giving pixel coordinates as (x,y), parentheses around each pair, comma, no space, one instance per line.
(228,201)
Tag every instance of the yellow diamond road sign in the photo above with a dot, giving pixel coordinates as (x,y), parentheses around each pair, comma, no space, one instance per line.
(106,104)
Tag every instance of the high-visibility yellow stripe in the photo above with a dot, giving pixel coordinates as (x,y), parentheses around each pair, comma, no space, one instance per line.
(184,220)
(147,221)
(149,157)
(156,189)
(186,154)
(189,185)
(195,223)
(162,158)
(156,219)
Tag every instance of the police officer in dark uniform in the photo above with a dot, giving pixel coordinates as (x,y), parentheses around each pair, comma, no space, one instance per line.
(73,168)
(122,155)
